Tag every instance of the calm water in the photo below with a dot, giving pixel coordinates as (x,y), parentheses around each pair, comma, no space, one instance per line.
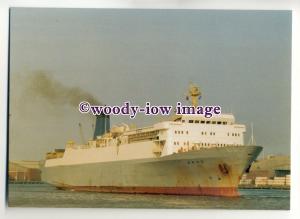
(43,195)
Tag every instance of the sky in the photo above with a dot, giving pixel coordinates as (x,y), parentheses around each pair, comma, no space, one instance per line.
(241,60)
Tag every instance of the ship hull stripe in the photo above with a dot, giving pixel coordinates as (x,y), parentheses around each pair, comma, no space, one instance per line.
(209,191)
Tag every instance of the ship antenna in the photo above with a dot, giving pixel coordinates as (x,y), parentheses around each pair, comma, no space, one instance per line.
(81,133)
(252,140)
(105,123)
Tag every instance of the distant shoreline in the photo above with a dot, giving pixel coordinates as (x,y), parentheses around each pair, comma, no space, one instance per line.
(26,182)
(264,187)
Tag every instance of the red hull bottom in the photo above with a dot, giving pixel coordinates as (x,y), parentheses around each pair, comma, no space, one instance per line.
(205,191)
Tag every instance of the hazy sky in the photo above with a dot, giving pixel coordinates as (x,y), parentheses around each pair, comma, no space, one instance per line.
(240,59)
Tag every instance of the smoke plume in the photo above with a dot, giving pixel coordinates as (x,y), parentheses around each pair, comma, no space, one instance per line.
(40,84)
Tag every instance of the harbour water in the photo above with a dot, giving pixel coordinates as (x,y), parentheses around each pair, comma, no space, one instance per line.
(44,195)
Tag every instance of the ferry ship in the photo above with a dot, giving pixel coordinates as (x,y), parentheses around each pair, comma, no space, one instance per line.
(186,155)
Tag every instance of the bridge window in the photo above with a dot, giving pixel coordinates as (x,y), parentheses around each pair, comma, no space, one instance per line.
(219,123)
(202,122)
(191,121)
(207,122)
(196,121)
(213,122)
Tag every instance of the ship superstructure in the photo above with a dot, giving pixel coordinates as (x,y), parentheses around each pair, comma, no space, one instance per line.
(190,154)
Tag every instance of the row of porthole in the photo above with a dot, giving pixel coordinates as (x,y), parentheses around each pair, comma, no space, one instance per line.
(196,161)
(205,144)
(184,143)
(233,134)
(181,132)
(205,133)
(211,133)
(206,122)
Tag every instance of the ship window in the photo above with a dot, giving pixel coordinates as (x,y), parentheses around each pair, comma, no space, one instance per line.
(196,121)
(219,123)
(175,132)
(210,133)
(181,132)
(191,121)
(228,134)
(174,142)
(213,122)
(207,122)
(239,134)
(224,123)
(232,134)
(183,121)
(187,132)
(202,122)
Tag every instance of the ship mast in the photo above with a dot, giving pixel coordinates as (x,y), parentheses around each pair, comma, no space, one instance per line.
(194,94)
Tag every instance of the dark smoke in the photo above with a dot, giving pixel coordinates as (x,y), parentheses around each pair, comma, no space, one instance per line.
(40,84)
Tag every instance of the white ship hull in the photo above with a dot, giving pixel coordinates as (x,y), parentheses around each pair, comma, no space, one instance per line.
(207,171)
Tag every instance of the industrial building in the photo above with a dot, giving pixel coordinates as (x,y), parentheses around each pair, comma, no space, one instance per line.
(24,171)
(270,172)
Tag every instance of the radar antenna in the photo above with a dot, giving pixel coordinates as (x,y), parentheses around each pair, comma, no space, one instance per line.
(194,94)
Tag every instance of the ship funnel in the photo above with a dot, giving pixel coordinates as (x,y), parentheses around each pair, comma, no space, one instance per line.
(102,125)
